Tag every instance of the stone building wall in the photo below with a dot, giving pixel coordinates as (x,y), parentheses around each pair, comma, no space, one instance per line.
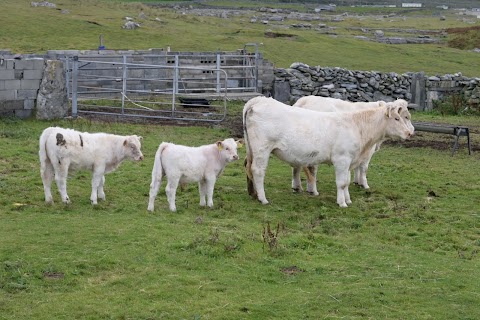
(19,85)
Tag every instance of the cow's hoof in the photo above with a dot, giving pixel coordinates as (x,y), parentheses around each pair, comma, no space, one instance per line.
(297,190)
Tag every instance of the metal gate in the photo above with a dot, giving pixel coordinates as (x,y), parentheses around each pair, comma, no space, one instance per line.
(189,87)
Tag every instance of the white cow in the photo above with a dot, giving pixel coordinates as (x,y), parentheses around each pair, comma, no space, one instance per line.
(327,104)
(65,150)
(303,137)
(182,164)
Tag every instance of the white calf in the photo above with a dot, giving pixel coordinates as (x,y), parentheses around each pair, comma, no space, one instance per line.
(65,150)
(182,164)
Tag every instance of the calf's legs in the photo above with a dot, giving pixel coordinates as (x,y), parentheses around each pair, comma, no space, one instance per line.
(47,173)
(206,188)
(171,191)
(61,174)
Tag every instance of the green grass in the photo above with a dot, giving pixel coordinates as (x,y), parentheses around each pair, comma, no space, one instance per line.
(26,29)
(406,249)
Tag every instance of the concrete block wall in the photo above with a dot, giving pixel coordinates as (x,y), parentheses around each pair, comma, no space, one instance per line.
(19,84)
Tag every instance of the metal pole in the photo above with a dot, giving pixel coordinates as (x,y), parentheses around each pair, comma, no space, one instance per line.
(74,87)
(175,83)
(124,82)
(218,72)
(67,75)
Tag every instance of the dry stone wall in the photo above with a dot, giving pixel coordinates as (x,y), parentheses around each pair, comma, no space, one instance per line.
(420,90)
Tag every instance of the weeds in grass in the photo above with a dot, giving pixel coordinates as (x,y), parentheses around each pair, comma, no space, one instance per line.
(270,238)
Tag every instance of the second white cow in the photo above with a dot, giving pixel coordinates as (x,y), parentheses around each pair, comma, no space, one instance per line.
(306,138)
(182,164)
(327,104)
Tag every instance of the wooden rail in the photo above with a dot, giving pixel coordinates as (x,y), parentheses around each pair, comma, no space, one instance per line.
(457,131)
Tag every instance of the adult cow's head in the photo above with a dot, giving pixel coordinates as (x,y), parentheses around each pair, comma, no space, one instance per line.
(399,121)
(132,146)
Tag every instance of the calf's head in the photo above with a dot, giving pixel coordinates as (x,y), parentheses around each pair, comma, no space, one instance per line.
(228,149)
(132,146)
(399,121)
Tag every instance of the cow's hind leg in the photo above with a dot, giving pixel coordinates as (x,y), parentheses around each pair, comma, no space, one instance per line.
(259,167)
(171,190)
(312,180)
(248,169)
(61,174)
(154,187)
(296,182)
(47,173)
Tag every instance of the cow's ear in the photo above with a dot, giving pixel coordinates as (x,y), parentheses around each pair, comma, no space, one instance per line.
(388,113)
(240,143)
(219,145)
(125,142)
(382,103)
(140,138)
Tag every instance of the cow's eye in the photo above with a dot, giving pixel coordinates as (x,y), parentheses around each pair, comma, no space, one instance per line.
(227,148)
(398,119)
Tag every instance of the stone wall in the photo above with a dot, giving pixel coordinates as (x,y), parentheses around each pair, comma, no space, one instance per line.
(19,85)
(420,90)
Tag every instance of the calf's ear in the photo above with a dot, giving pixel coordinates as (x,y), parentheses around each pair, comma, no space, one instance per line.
(125,142)
(219,145)
(240,143)
(140,138)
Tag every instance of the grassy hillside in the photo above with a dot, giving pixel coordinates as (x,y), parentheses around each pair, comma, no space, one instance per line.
(406,249)
(78,25)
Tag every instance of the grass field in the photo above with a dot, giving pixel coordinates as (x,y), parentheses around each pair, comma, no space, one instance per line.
(406,249)
(27,29)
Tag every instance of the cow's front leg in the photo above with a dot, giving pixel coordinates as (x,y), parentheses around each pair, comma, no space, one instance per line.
(101,192)
(296,182)
(96,181)
(312,180)
(210,186)
(342,178)
(202,189)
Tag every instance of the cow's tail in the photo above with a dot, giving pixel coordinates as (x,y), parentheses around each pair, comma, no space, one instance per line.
(157,174)
(248,159)
(46,167)
(45,162)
